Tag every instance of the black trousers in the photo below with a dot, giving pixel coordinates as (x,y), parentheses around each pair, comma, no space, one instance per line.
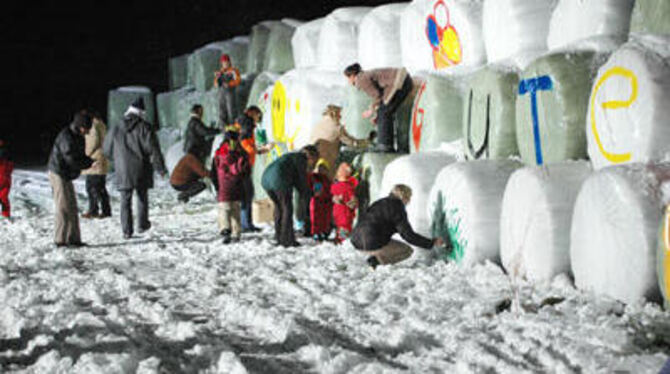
(247,201)
(127,210)
(283,216)
(190,189)
(96,188)
(386,116)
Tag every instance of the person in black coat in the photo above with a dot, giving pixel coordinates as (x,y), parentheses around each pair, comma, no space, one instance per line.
(66,161)
(198,137)
(381,221)
(134,147)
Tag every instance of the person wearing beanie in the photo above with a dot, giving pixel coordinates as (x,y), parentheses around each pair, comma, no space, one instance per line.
(279,179)
(387,88)
(320,205)
(134,147)
(226,79)
(198,137)
(6,169)
(96,175)
(232,166)
(66,161)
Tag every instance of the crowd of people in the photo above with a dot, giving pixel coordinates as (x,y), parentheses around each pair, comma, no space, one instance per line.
(327,193)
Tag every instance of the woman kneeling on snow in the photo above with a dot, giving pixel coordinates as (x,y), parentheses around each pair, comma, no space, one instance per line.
(381,221)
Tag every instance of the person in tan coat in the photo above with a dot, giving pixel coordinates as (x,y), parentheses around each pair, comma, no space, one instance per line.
(387,88)
(96,175)
(329,135)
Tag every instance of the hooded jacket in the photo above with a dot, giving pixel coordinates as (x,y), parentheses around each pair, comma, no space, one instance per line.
(68,157)
(232,166)
(287,172)
(134,147)
(381,221)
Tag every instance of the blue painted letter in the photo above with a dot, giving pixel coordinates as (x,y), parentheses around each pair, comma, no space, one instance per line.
(531,86)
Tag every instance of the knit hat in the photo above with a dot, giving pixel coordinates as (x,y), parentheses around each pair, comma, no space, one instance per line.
(224,58)
(322,162)
(138,103)
(231,133)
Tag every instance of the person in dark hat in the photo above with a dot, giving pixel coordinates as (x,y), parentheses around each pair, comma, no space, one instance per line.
(134,147)
(227,79)
(66,161)
(198,137)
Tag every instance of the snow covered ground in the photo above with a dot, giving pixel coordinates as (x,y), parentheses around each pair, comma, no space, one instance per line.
(177,300)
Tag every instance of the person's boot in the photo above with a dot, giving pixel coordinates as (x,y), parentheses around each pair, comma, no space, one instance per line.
(373,262)
(226,236)
(89,215)
(182,198)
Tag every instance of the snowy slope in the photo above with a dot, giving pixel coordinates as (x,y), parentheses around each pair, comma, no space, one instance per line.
(177,300)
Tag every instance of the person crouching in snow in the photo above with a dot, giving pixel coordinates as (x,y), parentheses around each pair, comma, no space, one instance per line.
(6,168)
(186,176)
(344,197)
(383,219)
(226,79)
(320,205)
(232,165)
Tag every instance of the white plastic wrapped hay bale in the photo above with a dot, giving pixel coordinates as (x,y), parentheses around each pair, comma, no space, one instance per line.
(489,121)
(379,37)
(514,27)
(305,43)
(576,19)
(258,95)
(441,34)
(173,155)
(338,40)
(120,98)
(184,104)
(298,100)
(536,218)
(613,238)
(418,171)
(551,106)
(258,44)
(371,166)
(205,61)
(355,103)
(437,113)
(651,16)
(663,257)
(628,116)
(279,53)
(178,72)
(464,205)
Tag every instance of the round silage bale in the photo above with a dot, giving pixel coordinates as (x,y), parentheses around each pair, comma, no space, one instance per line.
(279,54)
(338,40)
(371,166)
(173,155)
(551,106)
(628,116)
(418,171)
(258,44)
(489,121)
(536,218)
(178,72)
(513,27)
(379,37)
(464,207)
(119,99)
(651,16)
(441,34)
(184,104)
(205,61)
(574,20)
(305,43)
(164,109)
(355,103)
(613,239)
(663,257)
(259,86)
(437,113)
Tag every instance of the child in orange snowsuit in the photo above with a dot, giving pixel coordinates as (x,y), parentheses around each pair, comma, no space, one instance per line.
(344,197)
(227,79)
(6,168)
(320,205)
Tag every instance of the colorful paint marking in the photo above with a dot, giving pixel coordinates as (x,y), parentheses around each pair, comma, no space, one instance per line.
(417,117)
(617,71)
(446,224)
(443,37)
(279,104)
(477,153)
(532,86)
(666,252)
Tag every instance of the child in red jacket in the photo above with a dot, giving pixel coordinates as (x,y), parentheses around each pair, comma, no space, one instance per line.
(320,205)
(344,197)
(6,168)
(232,164)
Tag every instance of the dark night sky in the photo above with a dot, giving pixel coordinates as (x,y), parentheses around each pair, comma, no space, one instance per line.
(63,56)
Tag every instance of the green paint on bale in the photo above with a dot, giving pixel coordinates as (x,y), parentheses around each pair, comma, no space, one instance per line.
(178,72)
(651,16)
(447,225)
(119,99)
(489,116)
(437,113)
(561,110)
(279,54)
